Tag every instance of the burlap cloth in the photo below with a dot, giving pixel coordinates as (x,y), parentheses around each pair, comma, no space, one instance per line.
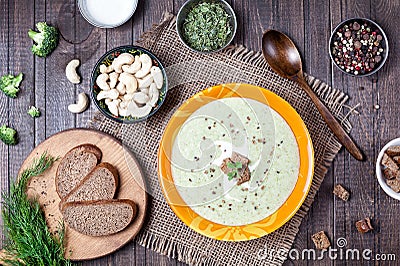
(164,232)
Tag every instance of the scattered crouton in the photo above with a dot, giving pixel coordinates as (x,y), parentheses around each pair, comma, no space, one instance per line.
(341,192)
(320,240)
(393,151)
(389,163)
(394,184)
(364,225)
(390,174)
(396,159)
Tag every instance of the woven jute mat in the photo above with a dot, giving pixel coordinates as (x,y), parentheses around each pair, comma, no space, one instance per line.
(164,232)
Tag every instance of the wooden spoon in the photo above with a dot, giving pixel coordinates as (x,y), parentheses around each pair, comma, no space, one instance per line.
(284,58)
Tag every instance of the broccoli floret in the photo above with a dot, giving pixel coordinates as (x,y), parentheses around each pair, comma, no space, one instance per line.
(34,112)
(8,135)
(10,84)
(46,39)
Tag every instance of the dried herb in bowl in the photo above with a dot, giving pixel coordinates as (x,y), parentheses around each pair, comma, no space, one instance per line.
(206,27)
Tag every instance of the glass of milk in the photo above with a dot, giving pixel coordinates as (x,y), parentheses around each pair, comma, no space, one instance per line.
(107,13)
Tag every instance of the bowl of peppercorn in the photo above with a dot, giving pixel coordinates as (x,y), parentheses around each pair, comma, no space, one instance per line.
(206,26)
(358,47)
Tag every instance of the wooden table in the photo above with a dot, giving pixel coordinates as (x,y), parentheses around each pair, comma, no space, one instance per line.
(309,23)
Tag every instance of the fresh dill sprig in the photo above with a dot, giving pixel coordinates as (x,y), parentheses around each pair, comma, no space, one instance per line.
(29,240)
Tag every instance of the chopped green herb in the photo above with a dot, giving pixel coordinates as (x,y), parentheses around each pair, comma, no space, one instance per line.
(235,168)
(206,27)
(231,175)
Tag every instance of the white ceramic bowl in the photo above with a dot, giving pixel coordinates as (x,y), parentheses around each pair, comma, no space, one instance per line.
(379,172)
(106,13)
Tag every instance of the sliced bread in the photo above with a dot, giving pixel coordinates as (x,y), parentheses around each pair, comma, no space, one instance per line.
(99,218)
(74,166)
(100,184)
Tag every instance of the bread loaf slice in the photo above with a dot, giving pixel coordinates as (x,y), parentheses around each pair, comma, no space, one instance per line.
(75,165)
(99,218)
(100,184)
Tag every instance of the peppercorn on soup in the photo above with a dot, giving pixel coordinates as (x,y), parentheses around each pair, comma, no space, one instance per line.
(235,134)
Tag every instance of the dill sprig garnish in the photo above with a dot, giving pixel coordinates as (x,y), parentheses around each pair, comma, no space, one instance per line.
(29,240)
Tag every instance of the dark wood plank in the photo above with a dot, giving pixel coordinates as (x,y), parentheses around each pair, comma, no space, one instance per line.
(21,60)
(356,176)
(40,81)
(386,13)
(260,17)
(317,64)
(4,47)
(89,46)
(59,92)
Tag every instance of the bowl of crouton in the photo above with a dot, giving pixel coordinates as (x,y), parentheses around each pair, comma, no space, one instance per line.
(388,168)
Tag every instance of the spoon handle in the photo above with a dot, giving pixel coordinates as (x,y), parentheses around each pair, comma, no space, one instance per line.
(331,121)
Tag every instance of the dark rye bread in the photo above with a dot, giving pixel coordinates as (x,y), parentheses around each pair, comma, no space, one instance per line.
(99,218)
(74,166)
(100,184)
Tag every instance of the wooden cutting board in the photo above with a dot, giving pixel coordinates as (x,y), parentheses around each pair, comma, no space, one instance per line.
(132,186)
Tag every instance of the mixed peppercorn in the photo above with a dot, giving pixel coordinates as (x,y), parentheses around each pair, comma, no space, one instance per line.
(358,47)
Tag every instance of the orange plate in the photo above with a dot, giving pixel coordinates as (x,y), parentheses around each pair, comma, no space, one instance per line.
(266,225)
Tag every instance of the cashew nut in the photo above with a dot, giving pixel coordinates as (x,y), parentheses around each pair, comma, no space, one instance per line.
(101,81)
(111,94)
(113,107)
(121,88)
(135,111)
(154,94)
(108,101)
(129,81)
(106,69)
(80,105)
(123,104)
(140,98)
(113,79)
(145,90)
(70,71)
(157,76)
(133,68)
(128,97)
(122,59)
(146,66)
(145,82)
(123,111)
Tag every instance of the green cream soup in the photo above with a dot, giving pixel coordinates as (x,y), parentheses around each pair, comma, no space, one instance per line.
(210,135)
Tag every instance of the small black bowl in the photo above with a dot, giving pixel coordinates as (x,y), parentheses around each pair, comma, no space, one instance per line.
(374,27)
(107,59)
